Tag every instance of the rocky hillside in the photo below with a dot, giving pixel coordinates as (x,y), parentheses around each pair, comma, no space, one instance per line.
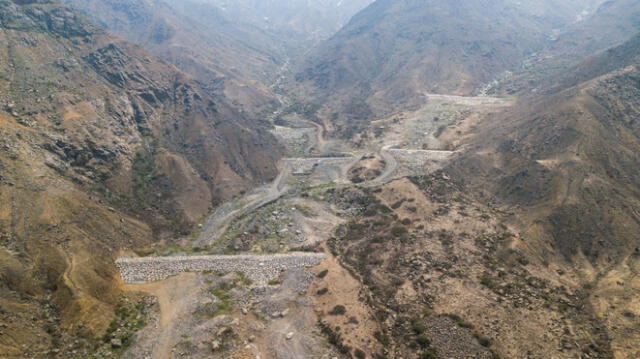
(239,47)
(199,39)
(292,20)
(613,23)
(564,165)
(446,278)
(103,146)
(551,154)
(393,52)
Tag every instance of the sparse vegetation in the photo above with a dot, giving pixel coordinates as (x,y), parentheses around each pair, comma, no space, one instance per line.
(423,341)
(417,327)
(334,338)
(322,291)
(461,322)
(398,231)
(338,310)
(487,281)
(224,305)
(242,279)
(484,341)
(429,354)
(131,316)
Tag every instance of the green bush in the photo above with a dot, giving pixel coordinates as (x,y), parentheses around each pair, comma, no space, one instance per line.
(484,341)
(338,310)
(487,281)
(359,354)
(461,322)
(430,354)
(398,231)
(418,327)
(423,341)
(370,211)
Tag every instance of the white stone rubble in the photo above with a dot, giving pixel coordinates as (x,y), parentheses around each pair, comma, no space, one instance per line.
(258,268)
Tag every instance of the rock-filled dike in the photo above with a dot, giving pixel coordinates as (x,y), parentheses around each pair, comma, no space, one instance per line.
(260,268)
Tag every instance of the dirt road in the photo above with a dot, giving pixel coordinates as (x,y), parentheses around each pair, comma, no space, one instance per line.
(217,224)
(256,307)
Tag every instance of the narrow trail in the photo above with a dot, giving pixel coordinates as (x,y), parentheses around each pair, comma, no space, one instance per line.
(391,165)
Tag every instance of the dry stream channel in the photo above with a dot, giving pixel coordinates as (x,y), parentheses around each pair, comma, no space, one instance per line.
(229,301)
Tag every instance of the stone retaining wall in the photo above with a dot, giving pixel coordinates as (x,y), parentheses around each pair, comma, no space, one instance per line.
(305,166)
(421,161)
(259,268)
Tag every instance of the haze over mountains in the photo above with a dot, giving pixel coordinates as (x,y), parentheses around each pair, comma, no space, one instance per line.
(394,52)
(470,170)
(240,47)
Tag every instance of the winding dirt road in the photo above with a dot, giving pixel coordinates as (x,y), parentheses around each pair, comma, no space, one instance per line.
(180,296)
(218,223)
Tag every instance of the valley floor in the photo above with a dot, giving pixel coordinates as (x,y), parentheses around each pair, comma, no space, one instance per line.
(412,266)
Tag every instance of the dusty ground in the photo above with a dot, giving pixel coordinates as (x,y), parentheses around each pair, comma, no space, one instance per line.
(414,268)
(356,328)
(206,315)
(274,218)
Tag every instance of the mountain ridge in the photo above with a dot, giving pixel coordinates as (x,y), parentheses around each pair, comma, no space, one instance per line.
(104,147)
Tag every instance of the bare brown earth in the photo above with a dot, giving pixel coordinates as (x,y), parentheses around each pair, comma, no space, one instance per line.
(455,257)
(379,285)
(422,266)
(92,160)
(515,250)
(357,327)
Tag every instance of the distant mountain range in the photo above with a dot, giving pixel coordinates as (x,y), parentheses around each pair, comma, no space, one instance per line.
(123,123)
(394,52)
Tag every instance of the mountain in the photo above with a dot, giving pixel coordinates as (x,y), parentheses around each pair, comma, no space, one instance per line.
(551,156)
(239,47)
(393,52)
(295,21)
(526,245)
(197,37)
(613,23)
(103,146)
(565,165)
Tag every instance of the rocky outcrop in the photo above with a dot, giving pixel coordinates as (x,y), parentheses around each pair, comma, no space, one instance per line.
(103,146)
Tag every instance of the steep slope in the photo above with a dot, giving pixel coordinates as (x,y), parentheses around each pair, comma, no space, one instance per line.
(200,40)
(552,152)
(240,47)
(566,164)
(393,52)
(295,21)
(614,22)
(103,146)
